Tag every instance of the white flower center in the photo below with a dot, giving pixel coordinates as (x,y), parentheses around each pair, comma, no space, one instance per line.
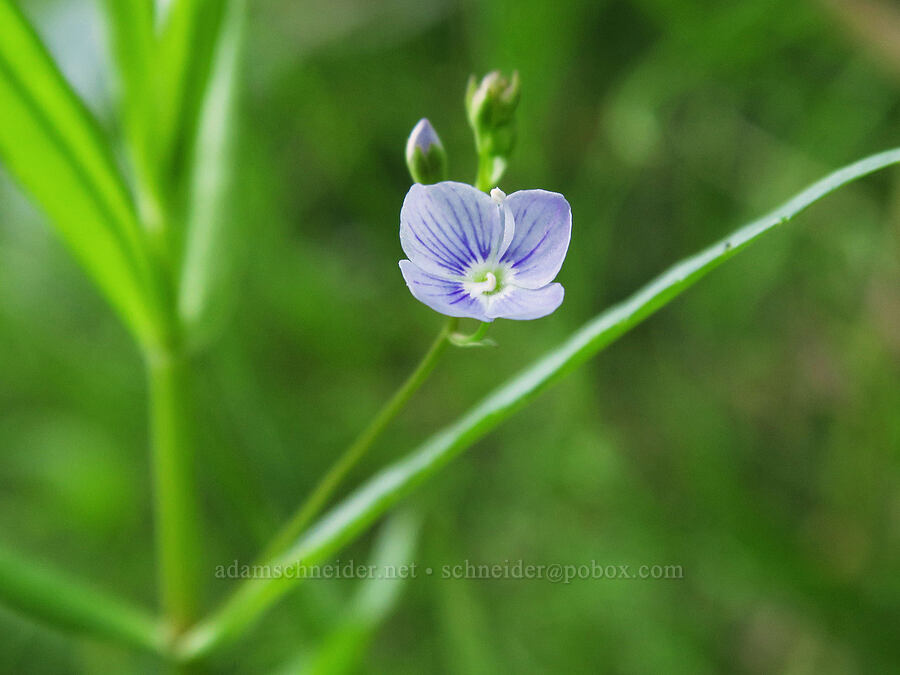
(488,281)
(498,195)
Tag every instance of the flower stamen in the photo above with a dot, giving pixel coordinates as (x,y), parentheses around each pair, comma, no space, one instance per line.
(489,285)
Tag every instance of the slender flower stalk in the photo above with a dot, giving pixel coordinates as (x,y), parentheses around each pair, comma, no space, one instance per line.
(465,260)
(476,339)
(489,168)
(327,485)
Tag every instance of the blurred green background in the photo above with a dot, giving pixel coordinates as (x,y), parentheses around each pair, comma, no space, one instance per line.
(749,432)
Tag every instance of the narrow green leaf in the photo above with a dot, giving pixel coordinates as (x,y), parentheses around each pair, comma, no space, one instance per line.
(355,514)
(344,647)
(132,38)
(52,145)
(44,594)
(209,242)
(185,52)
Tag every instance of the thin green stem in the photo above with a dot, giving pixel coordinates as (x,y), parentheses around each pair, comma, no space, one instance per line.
(177,522)
(484,180)
(326,486)
(476,339)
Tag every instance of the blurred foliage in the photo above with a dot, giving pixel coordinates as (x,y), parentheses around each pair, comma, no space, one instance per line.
(749,432)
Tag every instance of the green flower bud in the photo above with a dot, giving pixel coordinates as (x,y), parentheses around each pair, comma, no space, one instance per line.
(491,106)
(425,154)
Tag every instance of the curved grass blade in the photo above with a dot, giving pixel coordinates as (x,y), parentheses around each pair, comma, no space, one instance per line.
(52,145)
(47,595)
(355,514)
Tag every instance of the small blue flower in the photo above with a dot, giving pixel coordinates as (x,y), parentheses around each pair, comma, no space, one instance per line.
(484,257)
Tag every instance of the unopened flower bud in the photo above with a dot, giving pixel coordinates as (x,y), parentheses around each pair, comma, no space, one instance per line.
(425,154)
(491,106)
